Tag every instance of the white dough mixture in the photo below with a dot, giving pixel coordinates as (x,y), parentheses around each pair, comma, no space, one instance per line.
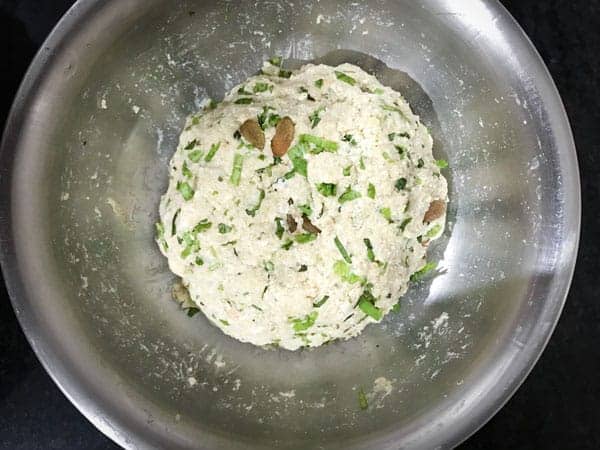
(299,208)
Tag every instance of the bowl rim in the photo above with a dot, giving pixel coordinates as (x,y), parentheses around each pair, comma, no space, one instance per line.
(52,359)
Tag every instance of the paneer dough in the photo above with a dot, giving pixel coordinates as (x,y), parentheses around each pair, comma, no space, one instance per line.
(300,206)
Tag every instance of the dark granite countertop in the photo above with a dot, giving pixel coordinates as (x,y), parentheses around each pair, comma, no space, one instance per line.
(557,406)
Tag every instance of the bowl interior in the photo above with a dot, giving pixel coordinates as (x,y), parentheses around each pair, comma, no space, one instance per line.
(99,125)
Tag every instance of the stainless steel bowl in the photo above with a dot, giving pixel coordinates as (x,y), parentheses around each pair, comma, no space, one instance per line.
(84,160)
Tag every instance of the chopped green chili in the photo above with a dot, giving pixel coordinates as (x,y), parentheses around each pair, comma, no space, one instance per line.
(261,197)
(342,269)
(196,156)
(315,117)
(306,323)
(387,214)
(404,223)
(191,144)
(236,171)
(211,153)
(243,101)
(185,189)
(349,195)
(321,302)
(278,228)
(317,144)
(345,78)
(300,164)
(327,189)
(173,222)
(304,238)
(366,303)
(371,191)
(420,274)
(342,250)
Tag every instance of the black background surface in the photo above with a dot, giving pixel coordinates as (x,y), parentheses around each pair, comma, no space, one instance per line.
(557,406)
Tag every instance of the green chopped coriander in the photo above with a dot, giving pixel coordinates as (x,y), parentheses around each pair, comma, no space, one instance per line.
(315,117)
(196,156)
(305,323)
(400,184)
(211,153)
(319,83)
(243,101)
(305,209)
(441,163)
(305,238)
(321,302)
(296,155)
(404,223)
(279,230)
(268,119)
(395,109)
(327,189)
(342,250)
(288,244)
(434,231)
(350,139)
(191,144)
(420,163)
(269,266)
(196,120)
(189,238)
(202,226)
(396,308)
(276,61)
(362,163)
(262,87)
(236,171)
(185,170)
(371,191)
(224,322)
(285,73)
(199,261)
(420,274)
(342,269)
(349,195)
(366,303)
(345,78)
(261,197)
(317,144)
(174,222)
(401,150)
(185,189)
(224,228)
(347,170)
(387,214)
(363,403)
(303,268)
